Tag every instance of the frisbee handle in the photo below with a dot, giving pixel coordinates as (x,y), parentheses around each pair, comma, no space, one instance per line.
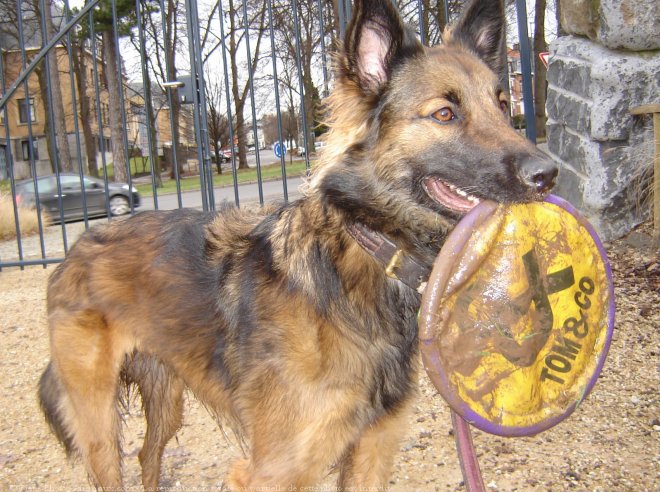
(466,454)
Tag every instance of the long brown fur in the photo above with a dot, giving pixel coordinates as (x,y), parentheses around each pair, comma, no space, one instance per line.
(276,319)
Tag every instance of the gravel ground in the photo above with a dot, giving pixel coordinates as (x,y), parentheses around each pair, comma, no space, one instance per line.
(611,443)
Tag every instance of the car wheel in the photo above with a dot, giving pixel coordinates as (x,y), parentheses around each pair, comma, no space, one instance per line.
(119,205)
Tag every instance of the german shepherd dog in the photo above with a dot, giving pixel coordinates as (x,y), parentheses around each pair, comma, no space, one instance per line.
(278,319)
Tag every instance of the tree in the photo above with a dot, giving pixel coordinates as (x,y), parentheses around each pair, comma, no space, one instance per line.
(289,127)
(540,46)
(217,121)
(560,29)
(139,43)
(103,23)
(51,95)
(162,30)
(80,60)
(55,94)
(269,129)
(434,18)
(237,32)
(303,49)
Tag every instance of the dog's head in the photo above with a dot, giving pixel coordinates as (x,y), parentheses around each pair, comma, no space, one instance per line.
(418,133)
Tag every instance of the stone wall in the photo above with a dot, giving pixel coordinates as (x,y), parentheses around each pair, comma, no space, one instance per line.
(609,63)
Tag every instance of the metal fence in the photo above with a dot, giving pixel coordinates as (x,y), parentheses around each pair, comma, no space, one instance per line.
(185,104)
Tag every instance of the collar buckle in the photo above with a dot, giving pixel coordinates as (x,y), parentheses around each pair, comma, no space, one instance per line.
(394,264)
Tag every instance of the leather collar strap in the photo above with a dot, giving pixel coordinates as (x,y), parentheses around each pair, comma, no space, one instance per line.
(398,265)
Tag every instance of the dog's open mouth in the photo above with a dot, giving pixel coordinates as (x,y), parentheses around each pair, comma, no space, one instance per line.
(449,196)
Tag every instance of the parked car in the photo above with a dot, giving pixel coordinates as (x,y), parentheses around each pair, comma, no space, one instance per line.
(225,155)
(117,200)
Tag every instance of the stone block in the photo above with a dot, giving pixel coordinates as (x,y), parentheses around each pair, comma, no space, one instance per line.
(620,82)
(570,146)
(570,71)
(574,113)
(629,24)
(579,17)
(617,24)
(612,215)
(610,81)
(603,180)
(569,186)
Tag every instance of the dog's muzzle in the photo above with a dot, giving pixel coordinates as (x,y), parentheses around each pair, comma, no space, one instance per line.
(538,173)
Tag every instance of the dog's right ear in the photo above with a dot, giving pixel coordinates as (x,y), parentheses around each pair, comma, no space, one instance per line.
(376,41)
(482,29)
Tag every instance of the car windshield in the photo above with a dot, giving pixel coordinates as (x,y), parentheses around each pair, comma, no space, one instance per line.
(45,185)
(48,184)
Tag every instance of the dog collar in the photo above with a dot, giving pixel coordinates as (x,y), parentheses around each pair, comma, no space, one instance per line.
(398,265)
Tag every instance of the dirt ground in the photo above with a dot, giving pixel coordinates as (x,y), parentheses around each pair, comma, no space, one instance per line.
(611,443)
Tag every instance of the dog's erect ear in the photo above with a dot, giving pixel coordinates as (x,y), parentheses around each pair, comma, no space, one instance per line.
(481,28)
(376,40)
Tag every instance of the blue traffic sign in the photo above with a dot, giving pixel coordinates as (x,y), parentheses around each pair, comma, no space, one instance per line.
(279,149)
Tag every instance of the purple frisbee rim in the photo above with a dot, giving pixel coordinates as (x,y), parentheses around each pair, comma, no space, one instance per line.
(455,242)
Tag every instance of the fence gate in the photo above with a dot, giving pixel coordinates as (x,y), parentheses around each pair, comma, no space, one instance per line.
(110,107)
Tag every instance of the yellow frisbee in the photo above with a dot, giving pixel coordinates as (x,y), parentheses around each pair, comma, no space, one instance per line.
(517,317)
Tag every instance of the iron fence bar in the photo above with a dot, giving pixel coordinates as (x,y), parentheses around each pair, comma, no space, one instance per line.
(65,36)
(230,124)
(324,60)
(148,107)
(23,263)
(99,116)
(193,81)
(420,14)
(10,167)
(296,27)
(344,8)
(252,104)
(53,132)
(445,6)
(44,51)
(31,157)
(74,105)
(199,99)
(203,108)
(169,69)
(278,107)
(122,103)
(526,67)
(196,115)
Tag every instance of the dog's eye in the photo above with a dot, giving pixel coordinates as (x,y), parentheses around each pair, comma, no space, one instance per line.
(444,115)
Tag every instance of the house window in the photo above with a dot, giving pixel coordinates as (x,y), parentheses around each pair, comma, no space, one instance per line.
(25,150)
(104,113)
(25,108)
(106,144)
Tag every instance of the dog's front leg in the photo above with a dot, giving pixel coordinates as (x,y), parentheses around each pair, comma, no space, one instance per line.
(294,446)
(369,463)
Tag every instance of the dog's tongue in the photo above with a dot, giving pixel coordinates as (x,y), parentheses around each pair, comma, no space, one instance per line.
(449,195)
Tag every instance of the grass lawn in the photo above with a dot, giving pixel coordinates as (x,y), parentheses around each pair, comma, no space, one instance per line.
(138,165)
(296,168)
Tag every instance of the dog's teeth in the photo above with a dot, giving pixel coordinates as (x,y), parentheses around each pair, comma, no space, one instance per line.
(455,189)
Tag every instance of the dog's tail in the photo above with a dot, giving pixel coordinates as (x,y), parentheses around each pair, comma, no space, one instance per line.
(51,392)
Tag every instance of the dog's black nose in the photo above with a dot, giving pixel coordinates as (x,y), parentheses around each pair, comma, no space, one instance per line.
(538,173)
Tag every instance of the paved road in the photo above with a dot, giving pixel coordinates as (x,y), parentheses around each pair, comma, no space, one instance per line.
(247,193)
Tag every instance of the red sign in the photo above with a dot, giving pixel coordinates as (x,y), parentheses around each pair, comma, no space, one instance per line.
(544,58)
